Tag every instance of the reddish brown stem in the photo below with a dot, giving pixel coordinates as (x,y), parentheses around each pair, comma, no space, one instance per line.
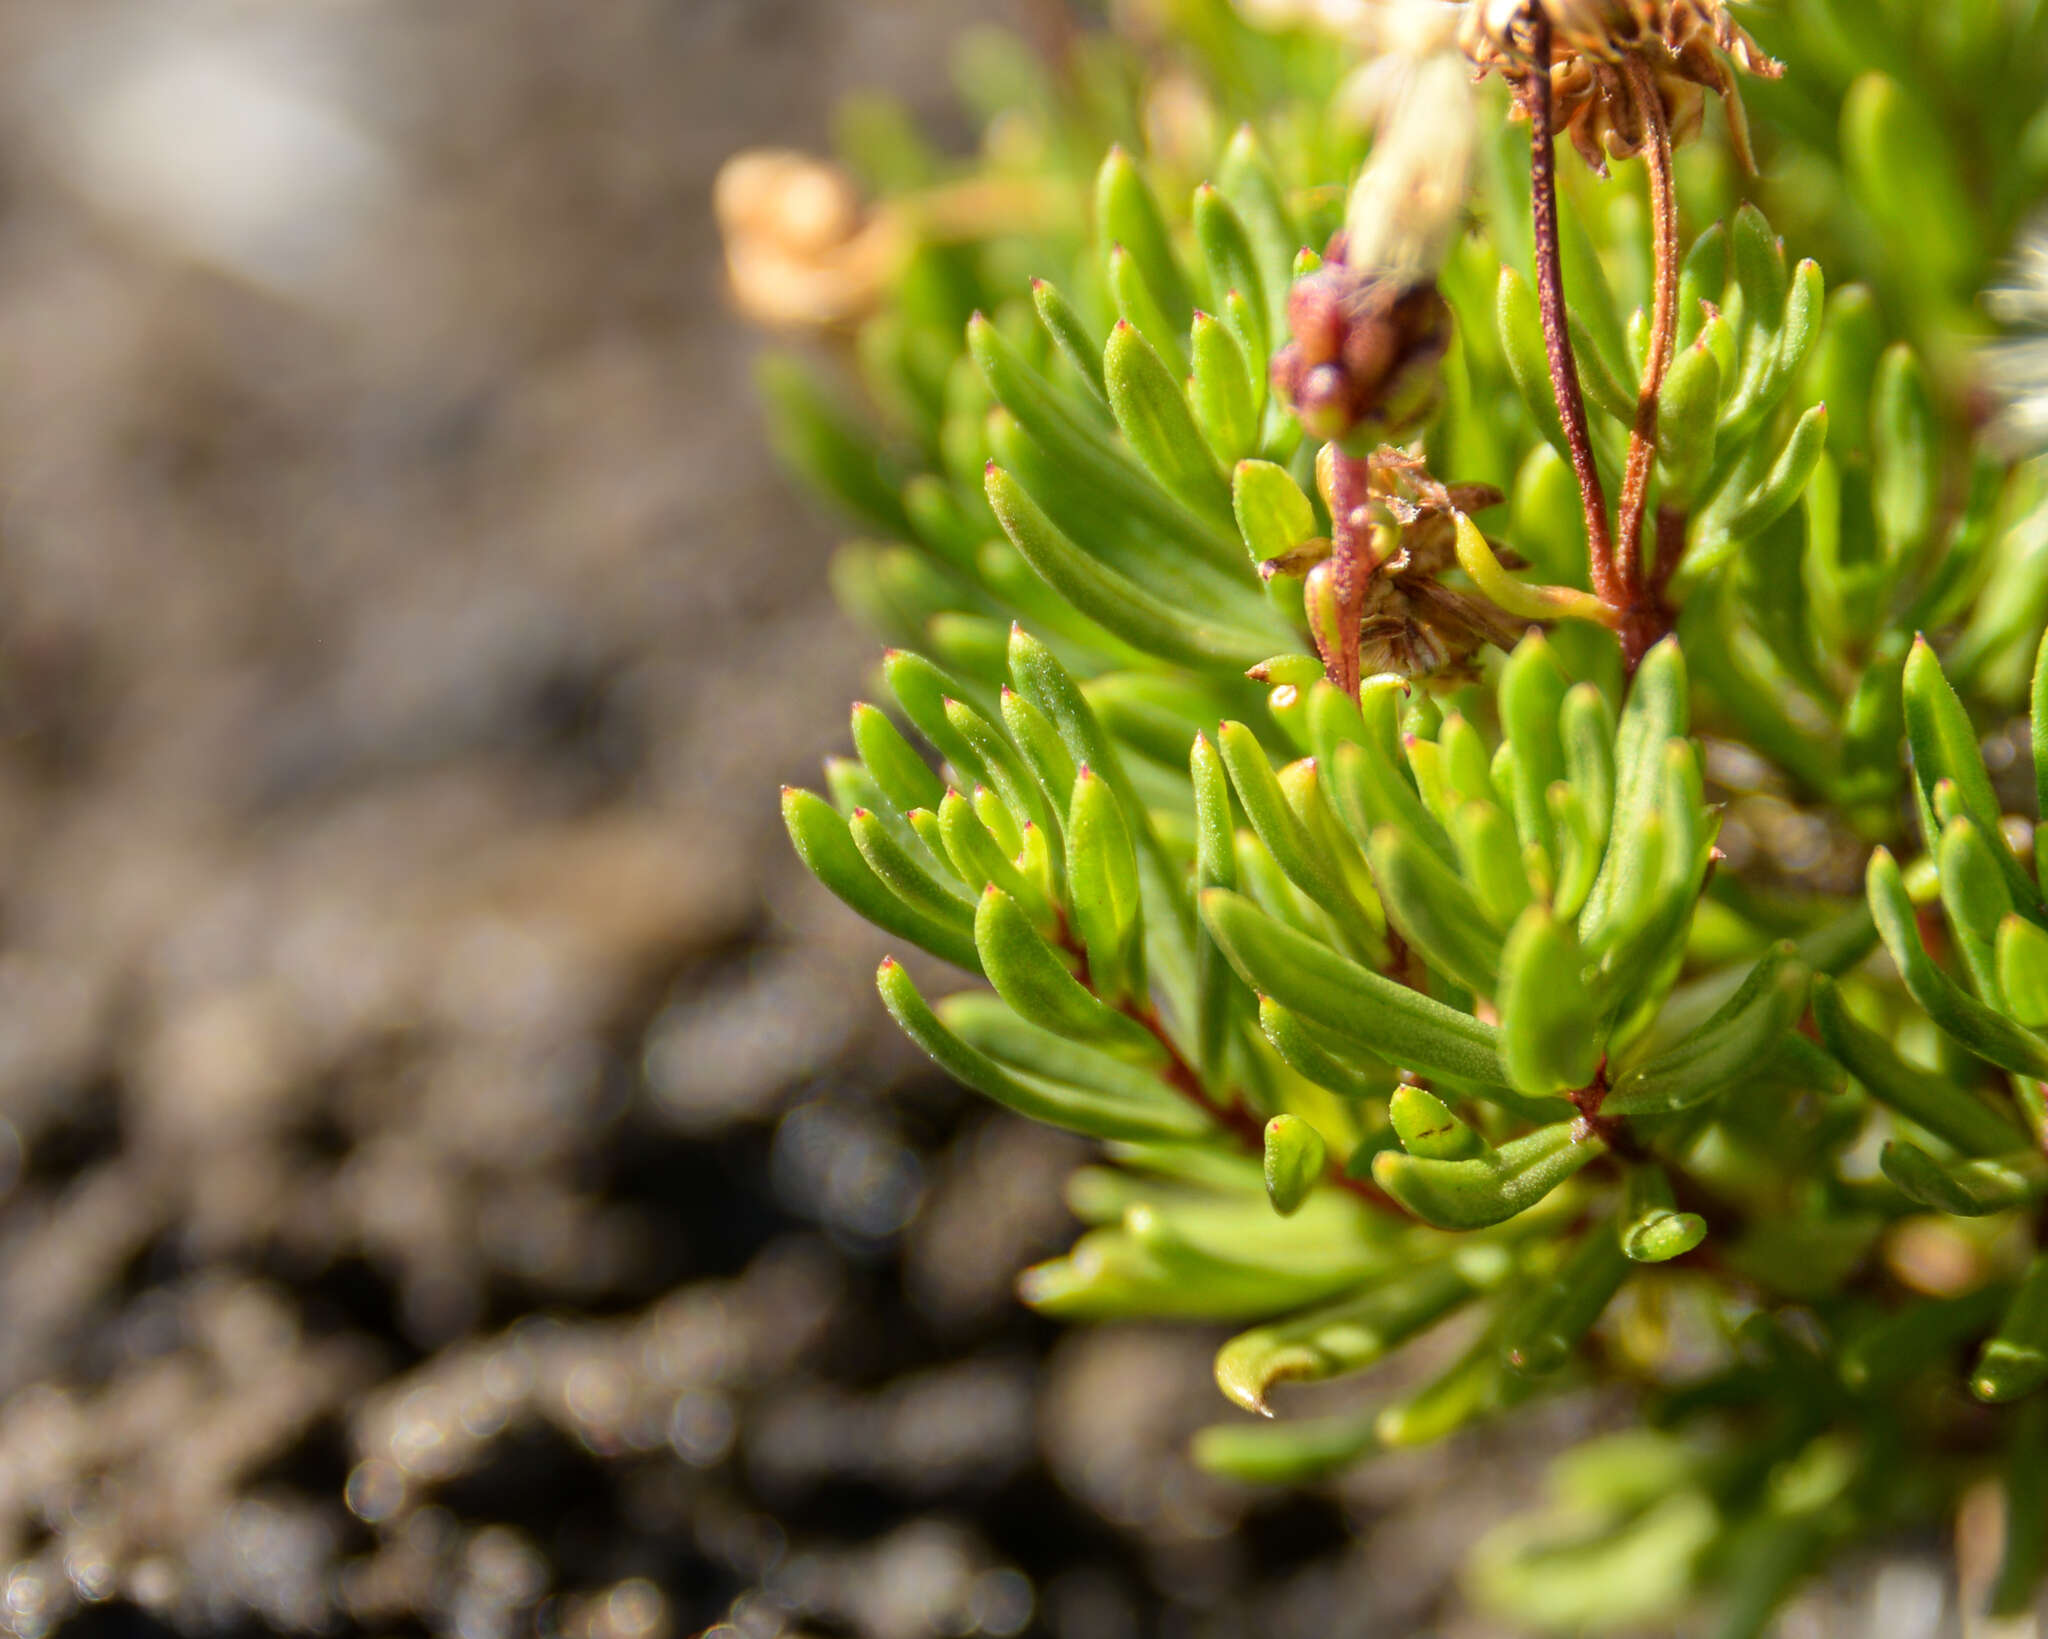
(1642,442)
(1557,335)
(1232,1116)
(1238,1121)
(1351,561)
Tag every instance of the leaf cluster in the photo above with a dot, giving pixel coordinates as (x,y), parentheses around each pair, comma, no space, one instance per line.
(1436,1005)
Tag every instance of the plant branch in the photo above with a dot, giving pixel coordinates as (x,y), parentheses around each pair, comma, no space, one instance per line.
(1230,1114)
(1235,1119)
(1646,614)
(1534,92)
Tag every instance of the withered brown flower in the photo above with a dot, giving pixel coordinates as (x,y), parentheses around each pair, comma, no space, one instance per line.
(1366,350)
(1687,46)
(801,250)
(1375,600)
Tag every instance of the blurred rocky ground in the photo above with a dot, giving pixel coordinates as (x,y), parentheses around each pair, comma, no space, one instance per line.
(457,1180)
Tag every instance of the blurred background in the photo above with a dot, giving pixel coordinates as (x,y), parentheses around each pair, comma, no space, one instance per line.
(457,1179)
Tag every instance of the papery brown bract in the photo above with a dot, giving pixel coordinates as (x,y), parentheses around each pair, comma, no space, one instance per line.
(1687,46)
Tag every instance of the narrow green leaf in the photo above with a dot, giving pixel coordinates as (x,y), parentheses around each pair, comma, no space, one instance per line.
(824,841)
(1598,375)
(1273,515)
(1220,392)
(1656,714)
(922,690)
(1540,1334)
(818,441)
(1777,492)
(1904,172)
(1523,599)
(1075,443)
(1249,331)
(1758,258)
(1579,851)
(1844,365)
(1427,1127)
(902,775)
(2026,1515)
(1012,781)
(1073,1109)
(1153,413)
(1002,822)
(1033,733)
(1702,278)
(1965,1189)
(1914,1338)
(1294,846)
(1651,1229)
(1118,603)
(1102,890)
(1232,263)
(1905,454)
(1532,693)
(1945,747)
(1295,1157)
(1588,730)
(981,862)
(2039,726)
(1490,859)
(1248,182)
(988,1024)
(2022,962)
(1436,913)
(905,877)
(1346,1336)
(1988,1034)
(1127,214)
(1492,1188)
(1215,867)
(1477,1386)
(1466,761)
(1730,1046)
(1069,334)
(1520,324)
(1030,976)
(1371,792)
(1290,1453)
(1353,1074)
(1974,893)
(1949,1112)
(1037,674)
(1551,1040)
(1399,1024)
(1688,415)
(1140,310)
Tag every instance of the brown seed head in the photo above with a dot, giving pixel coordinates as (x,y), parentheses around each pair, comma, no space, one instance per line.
(1365,352)
(800,250)
(1688,46)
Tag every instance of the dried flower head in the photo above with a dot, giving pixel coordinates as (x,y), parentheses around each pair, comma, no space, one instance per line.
(1366,350)
(800,250)
(1687,46)
(1375,600)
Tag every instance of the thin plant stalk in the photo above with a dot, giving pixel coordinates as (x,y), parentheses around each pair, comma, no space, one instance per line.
(1642,443)
(1557,337)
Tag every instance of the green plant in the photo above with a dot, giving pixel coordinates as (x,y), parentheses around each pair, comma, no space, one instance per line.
(1340,668)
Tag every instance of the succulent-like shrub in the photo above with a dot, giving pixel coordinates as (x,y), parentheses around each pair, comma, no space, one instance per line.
(1409,671)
